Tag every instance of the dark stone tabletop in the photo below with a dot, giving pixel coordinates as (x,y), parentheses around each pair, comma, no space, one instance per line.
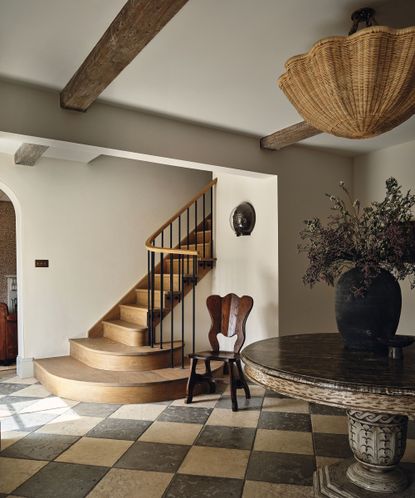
(321,359)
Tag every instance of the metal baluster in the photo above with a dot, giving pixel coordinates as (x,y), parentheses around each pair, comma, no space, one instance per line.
(149,324)
(161,290)
(204,227)
(152,299)
(194,305)
(196,225)
(182,296)
(188,229)
(211,222)
(171,312)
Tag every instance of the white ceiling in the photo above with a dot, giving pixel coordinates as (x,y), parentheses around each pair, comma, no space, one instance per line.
(216,62)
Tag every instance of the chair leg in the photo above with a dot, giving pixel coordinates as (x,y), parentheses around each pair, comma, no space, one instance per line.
(243,380)
(192,381)
(233,386)
(209,378)
(225,368)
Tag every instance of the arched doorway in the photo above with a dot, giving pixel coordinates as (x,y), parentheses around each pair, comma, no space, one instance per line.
(8,284)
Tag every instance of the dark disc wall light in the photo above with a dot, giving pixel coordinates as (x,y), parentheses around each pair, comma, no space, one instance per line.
(243,219)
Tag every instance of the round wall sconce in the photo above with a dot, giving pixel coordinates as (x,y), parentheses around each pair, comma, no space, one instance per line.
(243,219)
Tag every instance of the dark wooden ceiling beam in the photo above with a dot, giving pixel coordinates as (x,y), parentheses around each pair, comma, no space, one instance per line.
(135,26)
(289,136)
(29,154)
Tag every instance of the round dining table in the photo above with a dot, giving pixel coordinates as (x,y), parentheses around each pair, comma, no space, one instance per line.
(377,392)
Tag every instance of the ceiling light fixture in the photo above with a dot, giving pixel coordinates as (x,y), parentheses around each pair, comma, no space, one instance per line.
(355,86)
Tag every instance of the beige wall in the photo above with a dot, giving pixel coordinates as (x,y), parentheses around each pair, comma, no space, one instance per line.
(370,171)
(7,246)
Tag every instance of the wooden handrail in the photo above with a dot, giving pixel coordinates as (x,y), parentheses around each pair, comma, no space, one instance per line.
(169,250)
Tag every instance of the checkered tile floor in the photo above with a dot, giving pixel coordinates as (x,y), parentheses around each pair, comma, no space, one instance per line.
(52,447)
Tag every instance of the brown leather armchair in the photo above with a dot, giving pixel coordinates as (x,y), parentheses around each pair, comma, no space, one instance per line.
(8,335)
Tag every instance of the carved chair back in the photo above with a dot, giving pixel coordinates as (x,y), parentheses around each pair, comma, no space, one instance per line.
(229,315)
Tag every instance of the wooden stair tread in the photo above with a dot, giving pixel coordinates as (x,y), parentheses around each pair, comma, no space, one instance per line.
(126,325)
(66,367)
(107,346)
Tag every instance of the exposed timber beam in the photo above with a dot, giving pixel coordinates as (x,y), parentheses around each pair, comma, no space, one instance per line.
(289,136)
(135,26)
(28,154)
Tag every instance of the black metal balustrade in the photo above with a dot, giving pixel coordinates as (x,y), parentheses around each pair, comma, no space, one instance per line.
(175,274)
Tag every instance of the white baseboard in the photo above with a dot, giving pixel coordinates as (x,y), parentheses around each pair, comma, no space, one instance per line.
(24,367)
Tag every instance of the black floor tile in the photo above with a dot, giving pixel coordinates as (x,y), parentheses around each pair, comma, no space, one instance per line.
(95,409)
(411,429)
(153,456)
(326,410)
(282,468)
(285,421)
(39,446)
(186,415)
(226,437)
(253,403)
(117,428)
(6,388)
(186,486)
(274,394)
(63,480)
(332,445)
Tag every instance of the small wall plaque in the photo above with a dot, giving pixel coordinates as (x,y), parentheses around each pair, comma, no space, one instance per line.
(41,263)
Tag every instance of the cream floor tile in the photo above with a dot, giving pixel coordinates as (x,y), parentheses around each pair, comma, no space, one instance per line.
(5,412)
(284,441)
(15,472)
(10,437)
(95,451)
(50,403)
(200,401)
(147,411)
(330,424)
(70,424)
(18,380)
(409,455)
(215,462)
(242,418)
(171,433)
(120,483)
(254,390)
(258,489)
(285,405)
(322,461)
(33,391)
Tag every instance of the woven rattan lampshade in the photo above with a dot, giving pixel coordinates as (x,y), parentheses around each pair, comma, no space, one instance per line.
(356,86)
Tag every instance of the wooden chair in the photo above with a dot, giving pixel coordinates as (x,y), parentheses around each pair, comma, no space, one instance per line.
(229,315)
(8,335)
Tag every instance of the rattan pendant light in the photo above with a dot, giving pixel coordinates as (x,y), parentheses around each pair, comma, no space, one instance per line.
(355,86)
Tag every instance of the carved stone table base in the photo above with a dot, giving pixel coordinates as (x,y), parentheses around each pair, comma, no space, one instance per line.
(378,444)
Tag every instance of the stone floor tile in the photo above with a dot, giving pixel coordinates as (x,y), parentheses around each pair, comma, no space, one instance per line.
(118,428)
(28,422)
(148,411)
(285,421)
(240,438)
(8,389)
(329,424)
(70,424)
(244,404)
(153,456)
(200,401)
(189,415)
(225,417)
(171,433)
(326,410)
(16,404)
(409,455)
(285,405)
(322,461)
(191,486)
(332,445)
(274,394)
(95,451)
(39,446)
(62,480)
(11,437)
(14,472)
(95,409)
(33,391)
(284,441)
(257,489)
(49,403)
(124,483)
(215,462)
(18,380)
(281,468)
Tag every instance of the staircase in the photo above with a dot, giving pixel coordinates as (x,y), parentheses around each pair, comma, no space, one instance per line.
(136,352)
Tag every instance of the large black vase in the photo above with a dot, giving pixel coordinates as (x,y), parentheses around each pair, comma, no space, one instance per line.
(365,321)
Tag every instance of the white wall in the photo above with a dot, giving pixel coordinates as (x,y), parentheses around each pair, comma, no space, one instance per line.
(370,172)
(91,222)
(249,264)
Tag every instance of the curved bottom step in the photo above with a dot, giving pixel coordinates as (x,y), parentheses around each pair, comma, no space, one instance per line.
(69,378)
